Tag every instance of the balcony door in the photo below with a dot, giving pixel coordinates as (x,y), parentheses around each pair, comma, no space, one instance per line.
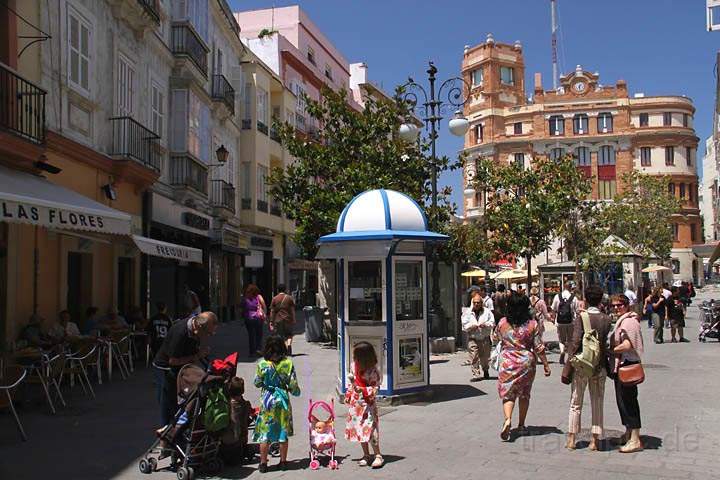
(125,90)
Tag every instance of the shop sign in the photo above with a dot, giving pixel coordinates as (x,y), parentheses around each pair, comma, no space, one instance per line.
(60,218)
(195,221)
(261,242)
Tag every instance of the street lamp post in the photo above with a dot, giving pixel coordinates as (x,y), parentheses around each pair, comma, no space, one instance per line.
(452,95)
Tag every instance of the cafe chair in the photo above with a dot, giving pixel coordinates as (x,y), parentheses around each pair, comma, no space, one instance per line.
(12,376)
(78,364)
(48,373)
(120,350)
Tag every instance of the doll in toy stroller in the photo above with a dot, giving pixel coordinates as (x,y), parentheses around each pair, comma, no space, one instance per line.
(322,434)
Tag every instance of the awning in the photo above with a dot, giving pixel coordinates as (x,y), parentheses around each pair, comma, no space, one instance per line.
(30,199)
(157,248)
(354,249)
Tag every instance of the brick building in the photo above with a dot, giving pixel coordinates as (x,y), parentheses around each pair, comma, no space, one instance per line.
(608,132)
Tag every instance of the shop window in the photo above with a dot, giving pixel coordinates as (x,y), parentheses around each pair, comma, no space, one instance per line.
(409,293)
(365,293)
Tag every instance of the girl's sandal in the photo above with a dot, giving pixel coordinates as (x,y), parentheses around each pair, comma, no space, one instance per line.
(365,461)
(505,432)
(378,462)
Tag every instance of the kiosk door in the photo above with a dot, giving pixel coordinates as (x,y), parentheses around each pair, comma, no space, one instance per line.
(409,316)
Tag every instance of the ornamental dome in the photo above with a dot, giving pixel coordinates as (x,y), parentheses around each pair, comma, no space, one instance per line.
(377,210)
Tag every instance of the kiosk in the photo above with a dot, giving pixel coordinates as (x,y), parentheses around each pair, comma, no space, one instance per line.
(382,277)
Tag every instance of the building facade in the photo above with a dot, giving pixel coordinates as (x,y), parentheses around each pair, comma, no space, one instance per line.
(608,132)
(709,193)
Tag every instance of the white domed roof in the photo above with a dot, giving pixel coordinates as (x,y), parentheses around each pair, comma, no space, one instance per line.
(382,210)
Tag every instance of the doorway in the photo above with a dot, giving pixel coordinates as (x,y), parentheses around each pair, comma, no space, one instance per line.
(79,284)
(126,280)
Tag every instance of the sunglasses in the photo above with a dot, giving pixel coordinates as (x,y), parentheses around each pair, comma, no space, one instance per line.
(617,305)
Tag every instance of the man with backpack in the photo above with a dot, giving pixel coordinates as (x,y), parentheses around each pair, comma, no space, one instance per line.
(587,366)
(565,307)
(282,316)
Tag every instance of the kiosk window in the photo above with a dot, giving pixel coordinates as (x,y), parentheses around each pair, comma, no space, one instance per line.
(365,291)
(409,290)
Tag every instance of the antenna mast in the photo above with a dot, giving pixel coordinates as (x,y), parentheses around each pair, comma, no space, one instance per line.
(554,44)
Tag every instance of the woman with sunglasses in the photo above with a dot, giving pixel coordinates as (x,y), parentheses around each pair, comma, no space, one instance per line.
(626,347)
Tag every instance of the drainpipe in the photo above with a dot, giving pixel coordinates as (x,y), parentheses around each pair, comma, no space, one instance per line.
(144,259)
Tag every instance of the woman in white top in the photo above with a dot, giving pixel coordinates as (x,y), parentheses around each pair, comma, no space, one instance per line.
(478,322)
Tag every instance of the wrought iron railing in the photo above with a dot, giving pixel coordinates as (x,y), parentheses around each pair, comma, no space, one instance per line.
(224,92)
(132,140)
(275,210)
(262,206)
(262,128)
(186,41)
(274,134)
(151,8)
(22,106)
(187,172)
(222,194)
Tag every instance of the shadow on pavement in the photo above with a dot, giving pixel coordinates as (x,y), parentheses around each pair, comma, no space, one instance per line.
(534,431)
(450,392)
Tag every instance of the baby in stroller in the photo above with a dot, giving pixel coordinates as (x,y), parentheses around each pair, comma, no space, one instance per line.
(322,434)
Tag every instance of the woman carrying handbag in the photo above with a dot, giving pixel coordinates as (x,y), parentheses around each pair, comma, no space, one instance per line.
(626,349)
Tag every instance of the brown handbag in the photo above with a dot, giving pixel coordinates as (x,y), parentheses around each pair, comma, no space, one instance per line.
(632,374)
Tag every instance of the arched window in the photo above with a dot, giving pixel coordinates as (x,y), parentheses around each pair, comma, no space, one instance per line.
(557,125)
(605,122)
(606,155)
(580,124)
(582,156)
(556,153)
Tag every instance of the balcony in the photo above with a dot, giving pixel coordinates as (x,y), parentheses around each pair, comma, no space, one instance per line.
(262,128)
(275,210)
(140,15)
(22,106)
(262,206)
(222,196)
(131,140)
(274,134)
(246,203)
(188,173)
(187,43)
(223,92)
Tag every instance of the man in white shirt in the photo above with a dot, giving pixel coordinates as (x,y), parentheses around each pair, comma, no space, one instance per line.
(564,315)
(487,301)
(630,293)
(478,322)
(666,290)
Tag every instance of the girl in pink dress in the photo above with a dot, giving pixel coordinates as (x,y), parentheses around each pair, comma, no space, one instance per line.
(362,422)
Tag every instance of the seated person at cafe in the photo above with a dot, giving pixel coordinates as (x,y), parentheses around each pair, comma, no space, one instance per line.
(71,328)
(137,319)
(33,334)
(91,326)
(53,329)
(113,322)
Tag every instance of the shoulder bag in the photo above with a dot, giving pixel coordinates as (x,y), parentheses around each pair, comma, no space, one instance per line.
(630,373)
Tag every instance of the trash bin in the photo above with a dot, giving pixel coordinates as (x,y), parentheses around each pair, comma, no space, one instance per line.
(313,324)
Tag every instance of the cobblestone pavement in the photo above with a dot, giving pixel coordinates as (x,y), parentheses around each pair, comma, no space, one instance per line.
(454,436)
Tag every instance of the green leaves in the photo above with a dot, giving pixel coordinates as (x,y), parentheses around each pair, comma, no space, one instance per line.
(354,151)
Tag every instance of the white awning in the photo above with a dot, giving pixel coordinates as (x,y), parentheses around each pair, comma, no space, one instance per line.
(27,198)
(157,248)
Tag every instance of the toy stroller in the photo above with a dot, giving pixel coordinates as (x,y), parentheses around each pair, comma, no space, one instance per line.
(322,434)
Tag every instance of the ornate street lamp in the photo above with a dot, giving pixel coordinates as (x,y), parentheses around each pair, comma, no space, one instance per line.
(451,96)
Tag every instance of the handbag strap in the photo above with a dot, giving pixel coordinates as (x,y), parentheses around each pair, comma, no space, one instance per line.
(585,316)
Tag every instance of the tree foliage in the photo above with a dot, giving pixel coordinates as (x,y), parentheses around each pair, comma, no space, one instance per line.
(354,151)
(527,206)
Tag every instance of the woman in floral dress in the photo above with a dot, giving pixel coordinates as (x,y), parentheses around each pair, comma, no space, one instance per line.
(361,423)
(275,376)
(521,346)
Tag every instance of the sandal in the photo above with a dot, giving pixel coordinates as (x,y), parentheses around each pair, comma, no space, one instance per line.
(378,462)
(629,448)
(505,432)
(365,461)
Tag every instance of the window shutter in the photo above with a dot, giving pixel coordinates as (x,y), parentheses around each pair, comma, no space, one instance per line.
(179,120)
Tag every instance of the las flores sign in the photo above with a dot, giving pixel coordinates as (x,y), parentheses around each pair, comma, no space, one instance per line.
(53,217)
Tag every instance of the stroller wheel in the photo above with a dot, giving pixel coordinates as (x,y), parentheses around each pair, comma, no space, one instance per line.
(185,473)
(214,466)
(333,464)
(153,463)
(145,466)
(314,465)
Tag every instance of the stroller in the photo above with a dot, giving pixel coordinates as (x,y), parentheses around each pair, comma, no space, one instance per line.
(322,434)
(710,324)
(188,443)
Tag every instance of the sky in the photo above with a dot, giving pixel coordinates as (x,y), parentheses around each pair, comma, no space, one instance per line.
(660,47)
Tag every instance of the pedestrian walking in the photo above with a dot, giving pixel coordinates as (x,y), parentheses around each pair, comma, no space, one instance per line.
(626,347)
(158,327)
(565,306)
(254,315)
(590,320)
(659,311)
(478,322)
(676,314)
(500,299)
(276,378)
(540,309)
(183,345)
(363,422)
(520,349)
(282,316)
(648,309)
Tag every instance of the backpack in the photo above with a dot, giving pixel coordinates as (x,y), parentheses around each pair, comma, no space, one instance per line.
(216,416)
(564,315)
(585,362)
